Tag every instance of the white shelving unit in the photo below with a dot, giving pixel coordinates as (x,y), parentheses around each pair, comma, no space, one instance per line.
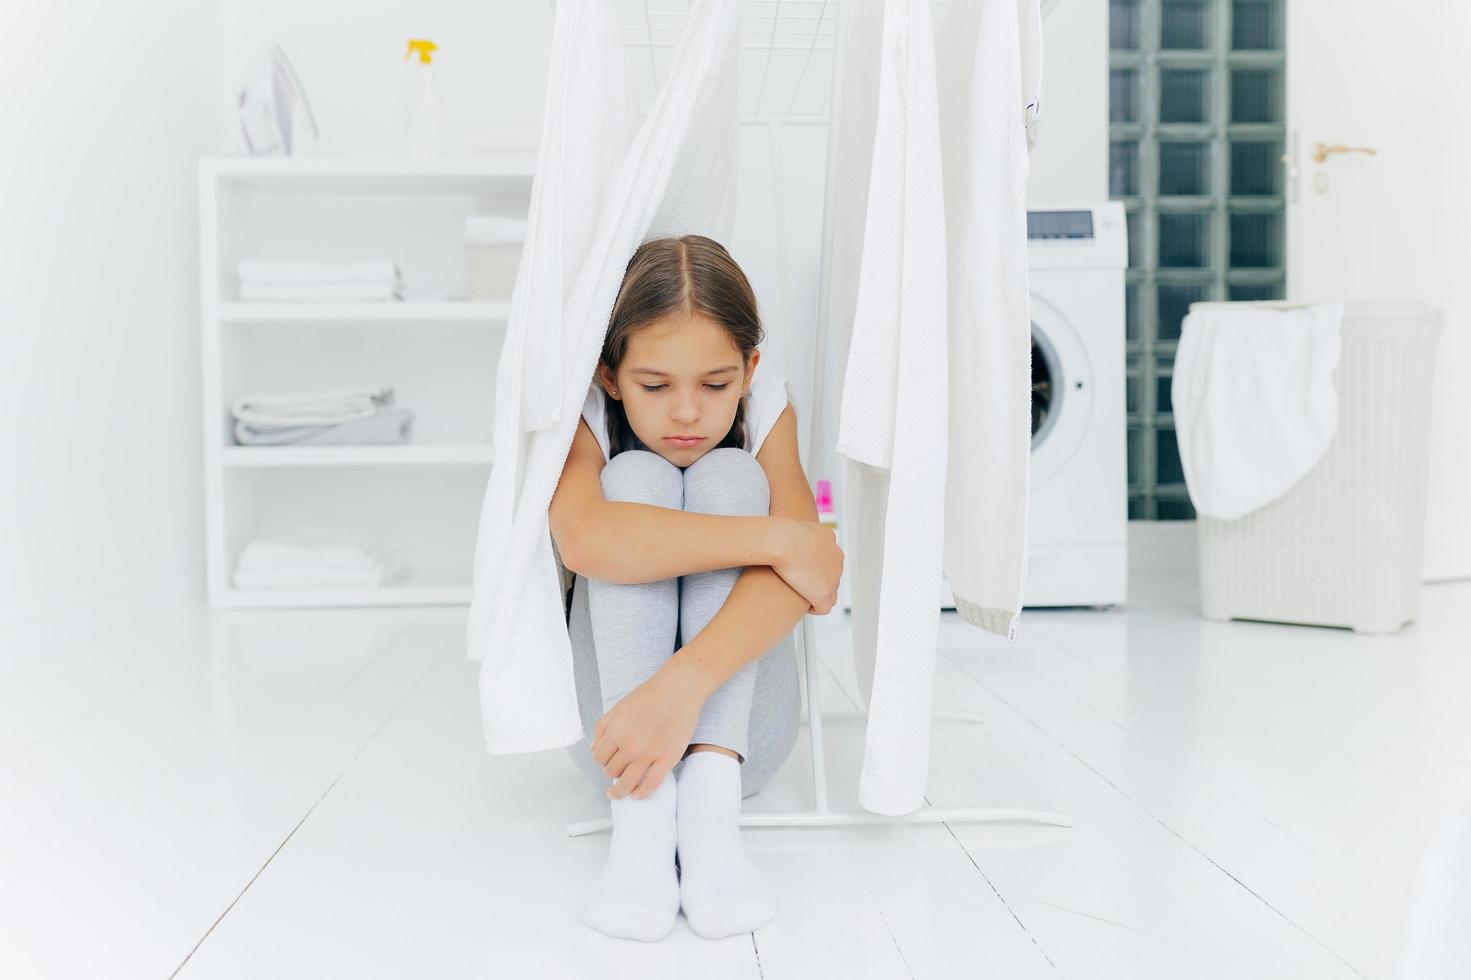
(420,499)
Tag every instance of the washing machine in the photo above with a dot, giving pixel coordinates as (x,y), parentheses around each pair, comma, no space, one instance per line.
(1078,509)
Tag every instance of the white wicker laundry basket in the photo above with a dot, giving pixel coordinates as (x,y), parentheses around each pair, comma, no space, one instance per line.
(1344,547)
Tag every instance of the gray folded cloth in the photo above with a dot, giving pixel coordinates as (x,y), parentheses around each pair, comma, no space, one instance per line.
(387,426)
(330,406)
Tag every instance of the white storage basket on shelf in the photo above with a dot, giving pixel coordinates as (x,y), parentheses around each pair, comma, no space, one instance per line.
(1344,546)
(493,254)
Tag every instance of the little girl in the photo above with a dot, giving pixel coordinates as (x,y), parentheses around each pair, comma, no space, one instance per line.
(682,481)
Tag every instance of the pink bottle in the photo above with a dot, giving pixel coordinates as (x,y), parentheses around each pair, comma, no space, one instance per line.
(825,512)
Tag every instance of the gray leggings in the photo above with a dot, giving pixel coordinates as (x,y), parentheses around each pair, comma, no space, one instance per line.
(622,633)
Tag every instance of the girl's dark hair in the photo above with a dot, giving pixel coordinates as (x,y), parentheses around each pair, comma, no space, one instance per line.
(678,277)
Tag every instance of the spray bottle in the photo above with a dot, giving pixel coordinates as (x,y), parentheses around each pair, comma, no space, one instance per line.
(426,136)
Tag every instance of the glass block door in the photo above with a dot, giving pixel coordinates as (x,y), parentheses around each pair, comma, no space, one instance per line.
(1197,124)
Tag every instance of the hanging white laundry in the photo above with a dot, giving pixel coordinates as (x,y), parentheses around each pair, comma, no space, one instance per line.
(1029,37)
(946,458)
(894,406)
(588,123)
(676,177)
(1254,401)
(990,85)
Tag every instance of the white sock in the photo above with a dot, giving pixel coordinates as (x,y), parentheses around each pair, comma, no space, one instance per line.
(637,895)
(718,888)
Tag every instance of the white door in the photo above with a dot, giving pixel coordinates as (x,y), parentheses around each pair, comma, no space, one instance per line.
(1395,224)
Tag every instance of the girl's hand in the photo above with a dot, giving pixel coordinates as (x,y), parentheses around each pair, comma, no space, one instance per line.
(647,732)
(810,561)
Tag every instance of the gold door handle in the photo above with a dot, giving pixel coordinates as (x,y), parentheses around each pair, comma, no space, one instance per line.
(1321,151)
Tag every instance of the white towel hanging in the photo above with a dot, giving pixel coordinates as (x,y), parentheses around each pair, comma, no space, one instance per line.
(675,177)
(587,127)
(915,503)
(989,59)
(894,407)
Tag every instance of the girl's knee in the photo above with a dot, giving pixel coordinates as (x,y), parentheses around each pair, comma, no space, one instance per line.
(644,477)
(727,481)
(726,457)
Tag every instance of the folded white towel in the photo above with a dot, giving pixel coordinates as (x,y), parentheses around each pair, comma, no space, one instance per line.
(387,426)
(313,557)
(327,292)
(312,576)
(327,406)
(1253,399)
(278,272)
(336,543)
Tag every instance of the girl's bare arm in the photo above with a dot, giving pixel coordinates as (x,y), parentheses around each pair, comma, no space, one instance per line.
(629,542)
(618,541)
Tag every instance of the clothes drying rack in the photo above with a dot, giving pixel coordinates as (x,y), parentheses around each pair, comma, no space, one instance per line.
(801,93)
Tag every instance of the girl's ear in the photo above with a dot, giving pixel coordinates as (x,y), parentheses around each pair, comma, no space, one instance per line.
(605,378)
(751,369)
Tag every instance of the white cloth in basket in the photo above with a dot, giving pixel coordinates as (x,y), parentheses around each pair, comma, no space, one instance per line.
(1254,401)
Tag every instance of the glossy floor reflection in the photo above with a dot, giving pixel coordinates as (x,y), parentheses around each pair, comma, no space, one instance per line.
(304,794)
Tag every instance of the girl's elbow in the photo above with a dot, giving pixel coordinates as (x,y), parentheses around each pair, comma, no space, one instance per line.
(569,548)
(584,560)
(594,563)
(573,562)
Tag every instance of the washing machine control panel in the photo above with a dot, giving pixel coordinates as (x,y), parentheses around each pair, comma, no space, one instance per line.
(1085,236)
(1071,225)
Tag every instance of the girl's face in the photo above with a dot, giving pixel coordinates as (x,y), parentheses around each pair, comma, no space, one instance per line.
(681,376)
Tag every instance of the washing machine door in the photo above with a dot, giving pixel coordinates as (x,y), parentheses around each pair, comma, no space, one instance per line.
(1062,392)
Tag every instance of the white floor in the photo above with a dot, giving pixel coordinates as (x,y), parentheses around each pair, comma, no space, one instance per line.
(304,794)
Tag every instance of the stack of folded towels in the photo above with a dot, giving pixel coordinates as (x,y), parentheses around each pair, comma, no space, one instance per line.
(267,280)
(311,557)
(332,416)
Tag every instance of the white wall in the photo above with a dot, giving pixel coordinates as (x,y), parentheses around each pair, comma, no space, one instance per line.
(1070,160)
(489,70)
(1396,225)
(104,108)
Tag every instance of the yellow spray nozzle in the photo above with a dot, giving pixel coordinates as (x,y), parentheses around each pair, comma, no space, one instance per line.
(424,48)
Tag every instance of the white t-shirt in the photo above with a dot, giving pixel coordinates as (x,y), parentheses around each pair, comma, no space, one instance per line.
(769,395)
